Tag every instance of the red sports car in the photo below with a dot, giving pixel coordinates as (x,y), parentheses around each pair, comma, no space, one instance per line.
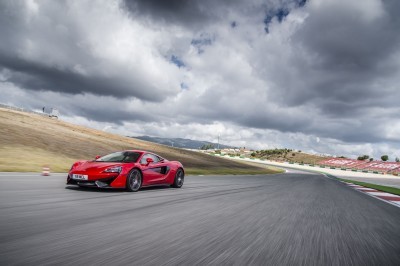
(131,170)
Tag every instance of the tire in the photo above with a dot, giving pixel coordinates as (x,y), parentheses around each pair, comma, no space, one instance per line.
(134,180)
(179,178)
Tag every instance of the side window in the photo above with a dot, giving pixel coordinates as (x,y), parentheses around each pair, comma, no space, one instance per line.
(148,155)
(155,158)
(144,157)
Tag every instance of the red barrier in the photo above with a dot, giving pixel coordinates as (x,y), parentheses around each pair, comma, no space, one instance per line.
(378,166)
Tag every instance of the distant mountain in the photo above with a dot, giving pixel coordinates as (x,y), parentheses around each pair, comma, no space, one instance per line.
(182,143)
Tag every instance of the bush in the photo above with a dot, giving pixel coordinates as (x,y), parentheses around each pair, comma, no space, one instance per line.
(363,157)
(384,158)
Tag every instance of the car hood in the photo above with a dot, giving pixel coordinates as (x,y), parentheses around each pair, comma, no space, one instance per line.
(93,166)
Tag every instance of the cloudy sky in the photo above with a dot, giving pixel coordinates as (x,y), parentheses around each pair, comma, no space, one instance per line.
(320,75)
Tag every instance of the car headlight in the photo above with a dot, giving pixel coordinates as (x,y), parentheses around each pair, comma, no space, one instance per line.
(115,169)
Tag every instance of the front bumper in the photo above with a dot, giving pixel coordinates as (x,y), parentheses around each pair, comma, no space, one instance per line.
(101,182)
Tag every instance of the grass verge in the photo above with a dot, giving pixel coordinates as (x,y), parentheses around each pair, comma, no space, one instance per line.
(392,190)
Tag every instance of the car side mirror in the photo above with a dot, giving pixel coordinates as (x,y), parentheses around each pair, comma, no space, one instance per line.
(97,157)
(149,161)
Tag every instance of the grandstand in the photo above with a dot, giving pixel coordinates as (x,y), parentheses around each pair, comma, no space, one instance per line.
(365,166)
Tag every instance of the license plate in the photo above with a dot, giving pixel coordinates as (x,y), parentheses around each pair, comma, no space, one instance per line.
(79,177)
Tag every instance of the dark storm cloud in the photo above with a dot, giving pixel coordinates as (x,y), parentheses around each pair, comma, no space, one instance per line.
(282,122)
(258,114)
(188,13)
(342,63)
(36,76)
(172,11)
(345,41)
(200,13)
(89,106)
(46,50)
(114,114)
(351,131)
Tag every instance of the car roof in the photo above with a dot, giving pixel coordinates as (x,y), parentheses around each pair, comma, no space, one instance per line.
(141,151)
(135,151)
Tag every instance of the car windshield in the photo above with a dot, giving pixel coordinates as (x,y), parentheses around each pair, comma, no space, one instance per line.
(121,157)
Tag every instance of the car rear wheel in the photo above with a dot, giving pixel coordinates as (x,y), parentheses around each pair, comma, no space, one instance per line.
(179,178)
(134,181)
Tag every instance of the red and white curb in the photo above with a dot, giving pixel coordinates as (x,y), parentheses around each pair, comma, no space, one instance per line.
(390,198)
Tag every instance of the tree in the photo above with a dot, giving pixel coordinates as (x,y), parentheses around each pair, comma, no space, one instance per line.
(207,147)
(384,158)
(363,157)
(371,159)
(397,159)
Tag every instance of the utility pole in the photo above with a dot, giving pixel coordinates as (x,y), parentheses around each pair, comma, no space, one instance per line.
(218,141)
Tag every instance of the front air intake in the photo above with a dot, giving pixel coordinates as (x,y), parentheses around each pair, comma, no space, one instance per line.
(101,184)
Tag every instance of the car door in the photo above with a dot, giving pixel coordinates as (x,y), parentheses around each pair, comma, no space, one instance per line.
(153,172)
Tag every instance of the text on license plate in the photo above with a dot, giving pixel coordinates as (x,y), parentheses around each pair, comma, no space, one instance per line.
(79,177)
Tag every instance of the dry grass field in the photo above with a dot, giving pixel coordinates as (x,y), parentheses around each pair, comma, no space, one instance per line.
(30,141)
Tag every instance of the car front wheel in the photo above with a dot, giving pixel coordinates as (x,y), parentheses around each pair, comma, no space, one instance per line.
(179,178)
(134,181)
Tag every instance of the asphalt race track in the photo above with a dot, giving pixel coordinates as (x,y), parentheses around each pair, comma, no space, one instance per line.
(288,219)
